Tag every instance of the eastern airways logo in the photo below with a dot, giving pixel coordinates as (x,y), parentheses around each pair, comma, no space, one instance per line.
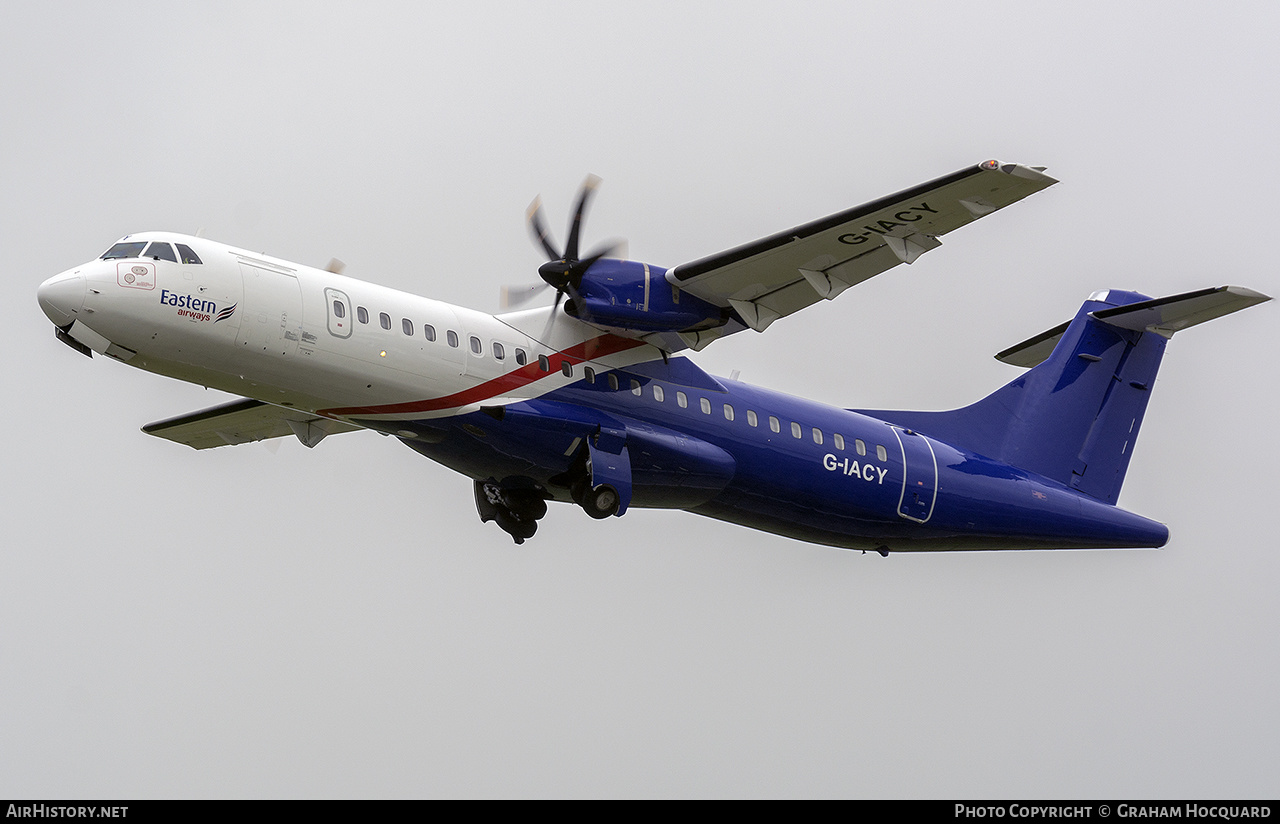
(194,308)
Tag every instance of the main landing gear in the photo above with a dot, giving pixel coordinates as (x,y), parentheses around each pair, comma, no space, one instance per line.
(516,510)
(599,501)
(599,481)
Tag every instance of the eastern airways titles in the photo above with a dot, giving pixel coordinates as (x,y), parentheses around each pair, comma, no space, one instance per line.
(189,305)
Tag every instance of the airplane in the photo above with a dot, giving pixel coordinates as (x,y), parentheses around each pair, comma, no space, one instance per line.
(596,403)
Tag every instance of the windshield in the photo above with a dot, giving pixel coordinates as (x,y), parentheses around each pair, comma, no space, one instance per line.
(124,250)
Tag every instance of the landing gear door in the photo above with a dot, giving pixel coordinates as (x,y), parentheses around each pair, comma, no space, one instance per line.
(608,470)
(919,476)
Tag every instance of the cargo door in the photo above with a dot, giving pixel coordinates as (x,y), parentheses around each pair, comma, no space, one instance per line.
(272,320)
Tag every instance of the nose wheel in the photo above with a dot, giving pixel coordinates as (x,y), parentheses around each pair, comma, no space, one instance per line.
(516,511)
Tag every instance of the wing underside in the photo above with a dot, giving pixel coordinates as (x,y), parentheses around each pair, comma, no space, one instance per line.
(245,421)
(784,273)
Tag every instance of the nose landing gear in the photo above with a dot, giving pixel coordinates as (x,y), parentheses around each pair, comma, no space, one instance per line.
(516,510)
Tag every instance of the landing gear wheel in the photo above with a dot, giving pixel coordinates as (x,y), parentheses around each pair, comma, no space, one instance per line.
(516,510)
(601,501)
(517,528)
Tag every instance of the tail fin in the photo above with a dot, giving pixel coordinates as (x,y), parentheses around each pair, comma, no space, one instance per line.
(1074,418)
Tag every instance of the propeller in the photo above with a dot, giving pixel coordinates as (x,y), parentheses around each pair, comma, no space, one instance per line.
(512,297)
(563,271)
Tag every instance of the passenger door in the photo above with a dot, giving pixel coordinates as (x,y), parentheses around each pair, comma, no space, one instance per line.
(919,476)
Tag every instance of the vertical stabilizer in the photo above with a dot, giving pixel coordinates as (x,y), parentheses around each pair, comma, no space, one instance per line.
(1074,418)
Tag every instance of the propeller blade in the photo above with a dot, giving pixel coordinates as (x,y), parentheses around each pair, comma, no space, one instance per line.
(551,321)
(564,272)
(514,296)
(584,197)
(538,226)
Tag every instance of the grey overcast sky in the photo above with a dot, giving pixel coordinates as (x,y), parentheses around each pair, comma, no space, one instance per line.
(272,621)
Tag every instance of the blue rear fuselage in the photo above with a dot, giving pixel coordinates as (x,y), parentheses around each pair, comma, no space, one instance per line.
(779,463)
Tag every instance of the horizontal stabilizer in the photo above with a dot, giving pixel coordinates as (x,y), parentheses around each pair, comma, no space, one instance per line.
(1164,316)
(1034,350)
(245,421)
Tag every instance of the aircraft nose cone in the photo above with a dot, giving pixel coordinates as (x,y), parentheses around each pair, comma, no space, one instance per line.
(61,297)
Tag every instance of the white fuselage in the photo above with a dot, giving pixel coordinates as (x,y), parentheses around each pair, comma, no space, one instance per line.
(302,337)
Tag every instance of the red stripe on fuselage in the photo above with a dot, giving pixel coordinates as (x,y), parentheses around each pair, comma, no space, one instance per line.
(587,350)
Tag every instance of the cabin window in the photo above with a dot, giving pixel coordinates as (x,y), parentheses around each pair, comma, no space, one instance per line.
(882,453)
(775,424)
(185,253)
(588,374)
(475,345)
(566,368)
(796,431)
(161,251)
(682,400)
(428,331)
(543,363)
(817,435)
(728,412)
(521,357)
(859,446)
(613,381)
(124,250)
(499,353)
(635,388)
(452,337)
(752,418)
(339,311)
(705,406)
(385,320)
(839,441)
(362,314)
(658,394)
(406,326)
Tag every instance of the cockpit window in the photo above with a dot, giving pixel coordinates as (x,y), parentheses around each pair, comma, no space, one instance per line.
(160,251)
(185,253)
(129,249)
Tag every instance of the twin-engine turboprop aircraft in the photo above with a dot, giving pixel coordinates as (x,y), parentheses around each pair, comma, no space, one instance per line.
(591,403)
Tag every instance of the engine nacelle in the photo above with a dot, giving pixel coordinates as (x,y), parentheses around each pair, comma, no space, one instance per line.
(627,294)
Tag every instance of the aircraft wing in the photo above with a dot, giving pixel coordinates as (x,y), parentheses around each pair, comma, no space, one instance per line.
(244,421)
(782,274)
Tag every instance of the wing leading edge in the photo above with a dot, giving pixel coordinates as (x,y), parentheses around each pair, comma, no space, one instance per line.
(786,272)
